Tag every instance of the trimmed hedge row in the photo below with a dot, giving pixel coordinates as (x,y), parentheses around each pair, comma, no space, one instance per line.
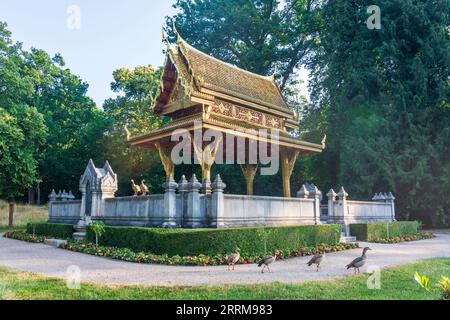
(375,231)
(189,242)
(54,230)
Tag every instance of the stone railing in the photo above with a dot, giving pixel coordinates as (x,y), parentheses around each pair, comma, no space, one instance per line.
(344,211)
(67,211)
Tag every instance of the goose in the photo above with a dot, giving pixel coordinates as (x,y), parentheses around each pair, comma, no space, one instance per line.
(317,260)
(268,260)
(359,262)
(136,188)
(144,188)
(233,258)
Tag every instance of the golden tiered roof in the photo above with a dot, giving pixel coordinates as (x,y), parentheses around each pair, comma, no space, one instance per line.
(196,87)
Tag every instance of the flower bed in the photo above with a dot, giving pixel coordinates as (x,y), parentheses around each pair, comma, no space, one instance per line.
(24,236)
(198,260)
(411,237)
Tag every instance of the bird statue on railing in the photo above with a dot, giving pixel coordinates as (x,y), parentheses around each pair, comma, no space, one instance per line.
(233,258)
(359,262)
(136,188)
(268,260)
(144,188)
(317,260)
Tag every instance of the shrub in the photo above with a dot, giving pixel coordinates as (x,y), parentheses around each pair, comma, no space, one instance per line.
(54,230)
(188,242)
(375,231)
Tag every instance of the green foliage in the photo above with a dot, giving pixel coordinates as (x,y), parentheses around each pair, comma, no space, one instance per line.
(22,129)
(131,110)
(382,98)
(98,227)
(185,242)
(423,280)
(54,230)
(254,35)
(374,231)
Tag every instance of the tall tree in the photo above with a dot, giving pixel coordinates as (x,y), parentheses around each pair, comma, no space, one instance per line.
(75,125)
(383,94)
(131,110)
(22,129)
(255,35)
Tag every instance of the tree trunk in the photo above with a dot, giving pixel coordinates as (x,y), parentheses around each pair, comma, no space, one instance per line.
(11,215)
(38,189)
(31,195)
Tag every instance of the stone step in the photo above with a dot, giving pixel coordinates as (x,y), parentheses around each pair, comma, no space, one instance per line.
(54,242)
(79,236)
(348,239)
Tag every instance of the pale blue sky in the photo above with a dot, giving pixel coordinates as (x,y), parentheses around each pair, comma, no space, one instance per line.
(112,34)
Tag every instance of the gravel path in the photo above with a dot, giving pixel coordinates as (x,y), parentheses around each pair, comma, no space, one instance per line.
(50,261)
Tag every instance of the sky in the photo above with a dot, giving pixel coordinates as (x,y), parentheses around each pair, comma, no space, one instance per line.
(111,34)
(95,37)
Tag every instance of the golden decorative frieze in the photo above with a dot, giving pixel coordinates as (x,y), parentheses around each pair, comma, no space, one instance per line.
(250,116)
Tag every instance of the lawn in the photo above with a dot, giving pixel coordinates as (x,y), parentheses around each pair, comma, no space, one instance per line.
(396,283)
(23,214)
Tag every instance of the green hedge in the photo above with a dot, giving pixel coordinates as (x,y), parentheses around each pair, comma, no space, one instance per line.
(54,230)
(189,242)
(374,231)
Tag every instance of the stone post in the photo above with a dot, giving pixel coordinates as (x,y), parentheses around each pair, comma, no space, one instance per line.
(315,194)
(331,199)
(182,190)
(217,203)
(303,192)
(170,203)
(390,199)
(206,186)
(342,210)
(194,215)
(52,196)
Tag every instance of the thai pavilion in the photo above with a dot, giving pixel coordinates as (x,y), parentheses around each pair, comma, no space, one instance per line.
(200,92)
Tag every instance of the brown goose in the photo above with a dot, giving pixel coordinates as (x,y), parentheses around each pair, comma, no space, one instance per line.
(268,260)
(233,258)
(359,262)
(317,260)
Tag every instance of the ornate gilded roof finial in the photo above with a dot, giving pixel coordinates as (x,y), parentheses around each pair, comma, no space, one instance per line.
(275,71)
(164,37)
(174,29)
(324,140)
(127,132)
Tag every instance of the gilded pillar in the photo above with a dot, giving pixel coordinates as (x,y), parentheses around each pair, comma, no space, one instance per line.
(206,157)
(166,160)
(249,171)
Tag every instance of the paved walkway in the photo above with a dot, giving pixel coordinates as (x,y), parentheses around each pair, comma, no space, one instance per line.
(50,261)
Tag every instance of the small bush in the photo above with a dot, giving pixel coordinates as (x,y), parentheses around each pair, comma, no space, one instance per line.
(54,230)
(375,231)
(188,242)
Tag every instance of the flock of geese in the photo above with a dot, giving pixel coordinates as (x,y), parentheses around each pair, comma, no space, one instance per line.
(317,259)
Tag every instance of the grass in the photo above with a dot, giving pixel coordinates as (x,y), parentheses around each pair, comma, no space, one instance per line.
(23,214)
(396,283)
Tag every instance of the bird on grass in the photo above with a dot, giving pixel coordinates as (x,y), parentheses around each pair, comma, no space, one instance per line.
(268,260)
(136,188)
(317,260)
(233,258)
(359,262)
(144,188)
